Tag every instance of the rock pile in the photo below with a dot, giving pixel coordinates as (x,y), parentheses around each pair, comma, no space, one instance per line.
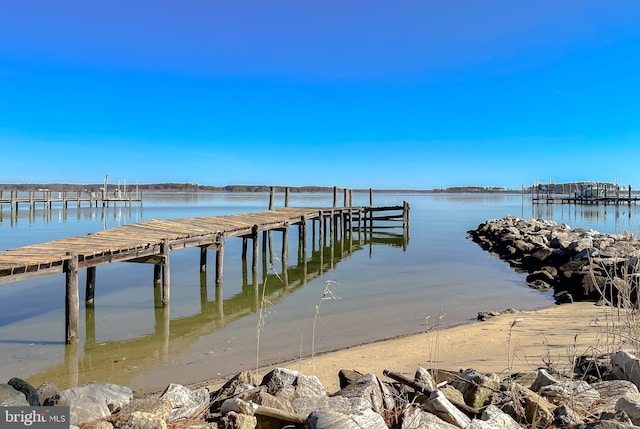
(578,264)
(602,393)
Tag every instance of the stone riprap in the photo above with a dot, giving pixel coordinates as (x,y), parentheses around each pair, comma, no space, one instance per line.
(592,396)
(578,264)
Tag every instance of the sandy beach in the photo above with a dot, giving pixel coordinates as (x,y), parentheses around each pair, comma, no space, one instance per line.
(511,342)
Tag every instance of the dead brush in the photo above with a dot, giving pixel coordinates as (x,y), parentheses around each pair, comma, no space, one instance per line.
(264,310)
(619,293)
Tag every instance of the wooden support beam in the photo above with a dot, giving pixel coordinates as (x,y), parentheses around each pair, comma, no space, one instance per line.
(254,260)
(203,259)
(72,303)
(166,284)
(90,288)
(285,243)
(219,263)
(244,248)
(157,272)
(286,197)
(303,236)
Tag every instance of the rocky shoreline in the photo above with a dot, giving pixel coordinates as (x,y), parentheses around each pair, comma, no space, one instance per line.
(602,393)
(597,391)
(578,264)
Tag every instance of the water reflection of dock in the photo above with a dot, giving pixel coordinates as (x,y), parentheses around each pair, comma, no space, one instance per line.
(170,337)
(151,242)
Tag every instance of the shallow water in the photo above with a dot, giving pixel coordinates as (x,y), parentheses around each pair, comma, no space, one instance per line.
(384,287)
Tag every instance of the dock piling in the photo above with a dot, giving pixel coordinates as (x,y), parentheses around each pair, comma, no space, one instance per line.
(90,287)
(72,303)
(166,291)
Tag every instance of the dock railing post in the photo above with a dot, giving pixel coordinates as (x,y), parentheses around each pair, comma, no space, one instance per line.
(335,196)
(271,197)
(286,197)
(72,303)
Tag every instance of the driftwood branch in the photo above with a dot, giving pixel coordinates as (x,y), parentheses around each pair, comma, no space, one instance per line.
(420,387)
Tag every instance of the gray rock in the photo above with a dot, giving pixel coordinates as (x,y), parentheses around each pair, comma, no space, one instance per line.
(630,404)
(238,421)
(368,419)
(46,390)
(185,402)
(415,418)
(424,376)
(268,400)
(142,420)
(91,401)
(10,397)
(372,389)
(239,382)
(543,378)
(309,385)
(339,404)
(625,366)
(439,405)
(476,388)
(610,391)
(577,394)
(28,390)
(493,418)
(566,416)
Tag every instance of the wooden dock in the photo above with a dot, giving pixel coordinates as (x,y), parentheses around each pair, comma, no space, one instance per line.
(151,242)
(47,199)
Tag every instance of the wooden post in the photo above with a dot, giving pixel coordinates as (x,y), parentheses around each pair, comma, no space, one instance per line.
(264,241)
(90,286)
(254,260)
(405,215)
(166,291)
(244,248)
(335,196)
(321,231)
(303,236)
(285,243)
(346,198)
(157,270)
(286,197)
(219,262)
(203,259)
(72,303)
(370,197)
(271,197)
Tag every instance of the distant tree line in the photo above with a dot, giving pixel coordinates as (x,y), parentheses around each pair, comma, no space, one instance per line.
(475,190)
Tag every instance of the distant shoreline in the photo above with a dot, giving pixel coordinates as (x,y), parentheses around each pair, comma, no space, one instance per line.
(191,187)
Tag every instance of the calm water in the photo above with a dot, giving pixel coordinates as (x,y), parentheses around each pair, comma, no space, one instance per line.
(385,287)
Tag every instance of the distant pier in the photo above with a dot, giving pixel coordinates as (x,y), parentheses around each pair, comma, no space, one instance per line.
(583,193)
(47,199)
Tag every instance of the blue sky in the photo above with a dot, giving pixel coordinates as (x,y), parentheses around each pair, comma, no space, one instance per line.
(414,94)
